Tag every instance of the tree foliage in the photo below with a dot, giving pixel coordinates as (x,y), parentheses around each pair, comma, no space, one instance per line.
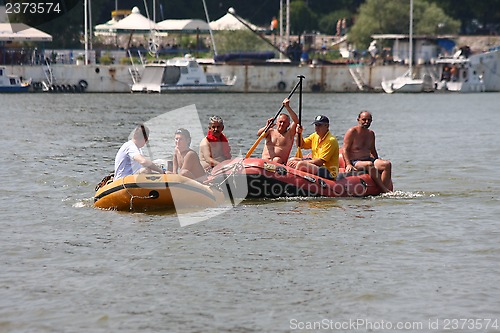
(302,18)
(239,40)
(368,16)
(393,17)
(328,23)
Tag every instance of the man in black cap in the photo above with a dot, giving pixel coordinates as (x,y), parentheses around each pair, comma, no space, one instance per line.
(324,160)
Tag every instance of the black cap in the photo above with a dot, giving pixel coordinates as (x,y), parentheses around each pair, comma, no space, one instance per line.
(321,120)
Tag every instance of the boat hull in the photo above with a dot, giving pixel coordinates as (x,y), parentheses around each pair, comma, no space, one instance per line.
(153,192)
(266,179)
(14,89)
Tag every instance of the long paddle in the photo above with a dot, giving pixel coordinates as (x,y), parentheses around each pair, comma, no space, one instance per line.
(299,137)
(263,134)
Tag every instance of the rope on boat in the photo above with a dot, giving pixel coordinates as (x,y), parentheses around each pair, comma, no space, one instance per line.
(235,168)
(132,197)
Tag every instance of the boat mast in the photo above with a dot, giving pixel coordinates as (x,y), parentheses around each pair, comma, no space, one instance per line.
(86,30)
(411,40)
(287,29)
(210,29)
(284,38)
(281,28)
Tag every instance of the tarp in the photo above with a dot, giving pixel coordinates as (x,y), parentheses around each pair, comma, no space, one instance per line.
(186,25)
(229,22)
(106,26)
(135,21)
(447,44)
(22,32)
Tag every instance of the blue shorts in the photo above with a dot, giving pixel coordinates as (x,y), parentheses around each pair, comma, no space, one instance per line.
(371,159)
(323,172)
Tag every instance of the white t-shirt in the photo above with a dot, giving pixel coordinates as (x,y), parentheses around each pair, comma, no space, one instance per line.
(124,161)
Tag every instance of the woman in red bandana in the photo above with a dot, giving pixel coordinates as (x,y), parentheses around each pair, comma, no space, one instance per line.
(214,148)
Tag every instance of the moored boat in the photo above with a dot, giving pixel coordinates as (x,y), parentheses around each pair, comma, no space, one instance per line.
(258,178)
(180,75)
(152,192)
(457,75)
(407,83)
(12,83)
(465,72)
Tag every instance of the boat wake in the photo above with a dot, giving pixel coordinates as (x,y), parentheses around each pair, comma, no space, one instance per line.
(402,195)
(84,203)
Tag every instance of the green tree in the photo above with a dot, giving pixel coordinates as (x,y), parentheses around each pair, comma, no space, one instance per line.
(328,23)
(239,40)
(393,17)
(485,12)
(432,20)
(302,18)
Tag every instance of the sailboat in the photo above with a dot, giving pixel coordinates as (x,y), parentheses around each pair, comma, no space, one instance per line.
(406,82)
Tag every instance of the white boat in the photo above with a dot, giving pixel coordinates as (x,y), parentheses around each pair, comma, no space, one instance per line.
(474,73)
(12,83)
(407,83)
(457,75)
(180,75)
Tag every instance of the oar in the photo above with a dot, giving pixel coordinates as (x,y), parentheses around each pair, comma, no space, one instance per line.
(270,124)
(299,138)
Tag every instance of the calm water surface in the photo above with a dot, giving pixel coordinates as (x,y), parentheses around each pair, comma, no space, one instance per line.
(428,252)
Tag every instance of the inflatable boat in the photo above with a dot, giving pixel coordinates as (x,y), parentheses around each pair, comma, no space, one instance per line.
(152,192)
(257,178)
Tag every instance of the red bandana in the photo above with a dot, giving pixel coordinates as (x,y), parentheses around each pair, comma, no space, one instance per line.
(225,147)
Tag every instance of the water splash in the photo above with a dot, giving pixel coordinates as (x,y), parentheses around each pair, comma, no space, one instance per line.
(403,195)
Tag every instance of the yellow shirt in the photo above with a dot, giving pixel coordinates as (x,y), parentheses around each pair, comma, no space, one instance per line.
(326,148)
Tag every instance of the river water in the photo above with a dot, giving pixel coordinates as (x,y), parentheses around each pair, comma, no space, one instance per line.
(422,259)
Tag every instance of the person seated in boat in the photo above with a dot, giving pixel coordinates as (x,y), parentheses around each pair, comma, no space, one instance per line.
(360,153)
(214,148)
(186,162)
(446,75)
(130,159)
(279,140)
(324,160)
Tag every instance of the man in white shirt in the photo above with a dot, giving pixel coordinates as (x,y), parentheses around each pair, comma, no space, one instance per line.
(130,160)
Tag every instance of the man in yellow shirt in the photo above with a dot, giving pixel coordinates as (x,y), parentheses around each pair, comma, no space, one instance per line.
(324,160)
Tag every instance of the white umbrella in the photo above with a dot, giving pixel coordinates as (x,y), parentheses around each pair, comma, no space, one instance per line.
(229,22)
(22,32)
(135,21)
(186,25)
(105,29)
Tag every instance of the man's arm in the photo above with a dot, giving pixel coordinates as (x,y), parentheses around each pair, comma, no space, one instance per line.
(147,163)
(261,130)
(373,150)
(205,154)
(300,138)
(348,140)
(175,162)
(293,115)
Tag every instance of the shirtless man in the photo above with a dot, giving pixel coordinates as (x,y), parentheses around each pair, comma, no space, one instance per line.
(279,141)
(186,161)
(214,148)
(360,153)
